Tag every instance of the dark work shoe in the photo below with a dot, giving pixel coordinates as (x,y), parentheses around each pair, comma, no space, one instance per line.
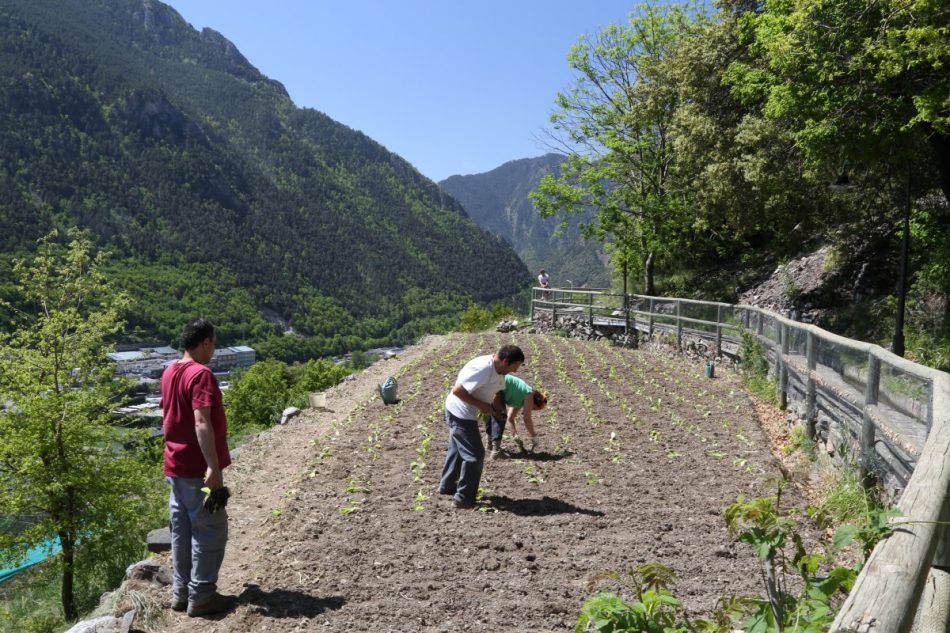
(215,604)
(178,603)
(446,492)
(462,505)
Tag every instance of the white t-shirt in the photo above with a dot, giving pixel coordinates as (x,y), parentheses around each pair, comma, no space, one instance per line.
(481,381)
(543,280)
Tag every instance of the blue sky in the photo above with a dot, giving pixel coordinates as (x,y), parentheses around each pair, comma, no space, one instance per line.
(454,87)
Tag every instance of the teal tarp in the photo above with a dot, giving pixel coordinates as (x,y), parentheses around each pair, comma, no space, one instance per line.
(36,555)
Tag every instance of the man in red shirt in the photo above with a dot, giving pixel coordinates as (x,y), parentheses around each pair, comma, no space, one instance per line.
(196,451)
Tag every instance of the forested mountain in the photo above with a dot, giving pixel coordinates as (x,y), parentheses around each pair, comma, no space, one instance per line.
(215,193)
(498,201)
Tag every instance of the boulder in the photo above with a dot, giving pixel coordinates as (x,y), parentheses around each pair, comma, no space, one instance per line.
(159,540)
(105,624)
(289,413)
(149,571)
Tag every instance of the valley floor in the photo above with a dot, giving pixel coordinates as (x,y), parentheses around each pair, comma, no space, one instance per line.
(336,524)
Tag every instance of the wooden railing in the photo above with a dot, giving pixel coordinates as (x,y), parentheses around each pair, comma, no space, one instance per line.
(902,411)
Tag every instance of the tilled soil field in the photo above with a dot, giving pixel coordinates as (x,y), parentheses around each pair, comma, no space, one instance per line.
(639,454)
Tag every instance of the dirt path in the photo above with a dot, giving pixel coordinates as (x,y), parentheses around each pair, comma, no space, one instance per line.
(336,524)
(265,468)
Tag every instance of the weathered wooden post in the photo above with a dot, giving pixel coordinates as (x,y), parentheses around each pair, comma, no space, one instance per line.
(679,326)
(935,600)
(811,402)
(718,330)
(867,430)
(590,309)
(533,295)
(651,318)
(626,315)
(781,367)
(895,579)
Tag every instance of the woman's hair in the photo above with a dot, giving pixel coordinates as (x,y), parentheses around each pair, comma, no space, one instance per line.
(540,399)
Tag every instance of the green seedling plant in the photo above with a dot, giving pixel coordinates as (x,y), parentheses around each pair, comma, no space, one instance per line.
(613,447)
(743,464)
(420,498)
(351,506)
(773,534)
(652,609)
(482,503)
(356,486)
(564,445)
(533,474)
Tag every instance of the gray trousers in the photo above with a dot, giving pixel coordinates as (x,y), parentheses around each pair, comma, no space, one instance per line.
(198,540)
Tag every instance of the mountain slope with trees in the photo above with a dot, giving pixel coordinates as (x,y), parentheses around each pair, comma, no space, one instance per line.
(214,191)
(498,202)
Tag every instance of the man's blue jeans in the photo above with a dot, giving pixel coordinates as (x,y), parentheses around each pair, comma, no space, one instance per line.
(495,428)
(464,461)
(198,540)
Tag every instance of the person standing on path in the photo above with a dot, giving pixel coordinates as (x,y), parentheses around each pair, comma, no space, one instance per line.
(475,390)
(518,396)
(196,451)
(543,279)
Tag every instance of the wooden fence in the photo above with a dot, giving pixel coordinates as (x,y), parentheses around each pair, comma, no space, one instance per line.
(896,412)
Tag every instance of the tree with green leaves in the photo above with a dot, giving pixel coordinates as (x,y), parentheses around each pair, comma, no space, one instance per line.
(616,123)
(864,89)
(257,396)
(855,81)
(749,192)
(62,465)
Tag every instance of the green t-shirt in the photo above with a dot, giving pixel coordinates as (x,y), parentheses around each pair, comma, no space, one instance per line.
(516,390)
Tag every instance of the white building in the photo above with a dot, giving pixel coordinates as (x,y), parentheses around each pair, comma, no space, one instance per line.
(145,360)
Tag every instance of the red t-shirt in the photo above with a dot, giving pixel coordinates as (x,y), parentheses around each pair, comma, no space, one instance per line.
(185,387)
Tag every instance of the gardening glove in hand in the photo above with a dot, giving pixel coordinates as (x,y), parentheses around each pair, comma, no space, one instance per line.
(216,499)
(533,444)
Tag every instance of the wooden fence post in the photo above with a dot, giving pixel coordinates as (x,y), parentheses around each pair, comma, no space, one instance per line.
(867,430)
(935,600)
(781,367)
(651,318)
(758,322)
(679,326)
(590,309)
(718,330)
(811,401)
(533,293)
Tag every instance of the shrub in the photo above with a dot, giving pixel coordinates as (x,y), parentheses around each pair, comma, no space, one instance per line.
(257,397)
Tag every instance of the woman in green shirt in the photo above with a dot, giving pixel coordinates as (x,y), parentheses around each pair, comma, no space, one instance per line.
(518,396)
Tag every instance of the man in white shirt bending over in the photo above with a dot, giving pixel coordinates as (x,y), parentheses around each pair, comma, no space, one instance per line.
(475,390)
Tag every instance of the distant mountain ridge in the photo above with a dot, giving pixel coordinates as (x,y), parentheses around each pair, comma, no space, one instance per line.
(176,152)
(498,202)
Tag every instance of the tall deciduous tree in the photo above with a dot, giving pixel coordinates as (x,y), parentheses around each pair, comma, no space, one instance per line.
(749,192)
(858,81)
(864,86)
(616,123)
(61,462)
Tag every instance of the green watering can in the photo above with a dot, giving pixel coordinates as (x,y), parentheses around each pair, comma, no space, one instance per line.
(387,391)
